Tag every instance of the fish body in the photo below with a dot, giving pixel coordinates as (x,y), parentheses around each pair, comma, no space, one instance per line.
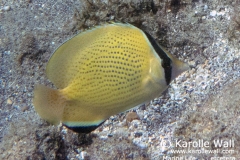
(102,72)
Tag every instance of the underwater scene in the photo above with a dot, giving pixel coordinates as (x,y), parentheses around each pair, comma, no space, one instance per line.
(119,80)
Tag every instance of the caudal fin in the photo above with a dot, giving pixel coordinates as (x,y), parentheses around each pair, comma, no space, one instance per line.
(49,103)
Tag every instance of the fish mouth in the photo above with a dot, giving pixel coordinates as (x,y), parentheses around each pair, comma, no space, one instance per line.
(178,67)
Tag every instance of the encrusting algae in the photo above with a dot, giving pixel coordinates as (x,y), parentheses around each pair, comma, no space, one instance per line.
(102,72)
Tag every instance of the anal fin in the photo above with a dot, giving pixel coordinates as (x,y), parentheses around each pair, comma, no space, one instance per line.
(49,103)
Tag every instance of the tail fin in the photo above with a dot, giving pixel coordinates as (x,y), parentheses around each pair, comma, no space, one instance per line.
(49,103)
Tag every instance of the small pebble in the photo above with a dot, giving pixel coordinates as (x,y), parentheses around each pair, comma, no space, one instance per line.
(84,155)
(137,134)
(164,149)
(24,108)
(132,116)
(9,101)
(213,13)
(103,137)
(112,17)
(110,135)
(6,8)
(205,7)
(16,107)
(139,143)
(199,105)
(135,125)
(130,156)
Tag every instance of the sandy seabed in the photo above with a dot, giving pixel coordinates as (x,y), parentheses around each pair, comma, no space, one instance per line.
(200,105)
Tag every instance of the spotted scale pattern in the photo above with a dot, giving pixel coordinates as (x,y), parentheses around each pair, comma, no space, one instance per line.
(105,71)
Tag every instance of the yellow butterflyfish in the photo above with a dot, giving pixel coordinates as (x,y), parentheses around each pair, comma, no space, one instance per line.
(102,72)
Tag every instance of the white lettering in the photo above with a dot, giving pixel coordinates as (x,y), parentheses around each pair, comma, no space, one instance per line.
(178,143)
(185,144)
(172,158)
(206,144)
(217,143)
(195,144)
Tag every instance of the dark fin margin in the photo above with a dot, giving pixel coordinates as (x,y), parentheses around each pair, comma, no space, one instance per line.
(83,129)
(166,63)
